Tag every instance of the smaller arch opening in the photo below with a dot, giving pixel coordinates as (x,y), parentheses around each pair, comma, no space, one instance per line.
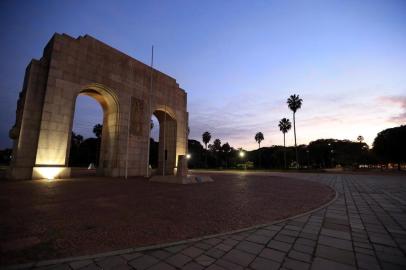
(154,142)
(163,142)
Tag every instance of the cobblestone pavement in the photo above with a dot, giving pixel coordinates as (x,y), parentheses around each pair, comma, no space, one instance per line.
(365,228)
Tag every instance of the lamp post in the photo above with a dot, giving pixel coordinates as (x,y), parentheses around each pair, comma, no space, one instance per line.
(242,154)
(308,159)
(330,154)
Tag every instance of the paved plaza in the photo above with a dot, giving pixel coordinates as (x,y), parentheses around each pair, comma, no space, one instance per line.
(364,228)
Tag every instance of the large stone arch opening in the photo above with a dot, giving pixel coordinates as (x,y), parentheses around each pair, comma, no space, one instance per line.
(108,144)
(122,85)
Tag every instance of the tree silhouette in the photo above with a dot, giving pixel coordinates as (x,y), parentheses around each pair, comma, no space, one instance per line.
(215,148)
(294,103)
(216,145)
(226,150)
(284,126)
(76,139)
(259,137)
(360,138)
(97,130)
(390,145)
(206,139)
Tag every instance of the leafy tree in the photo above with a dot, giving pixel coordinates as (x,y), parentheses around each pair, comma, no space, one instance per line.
(226,151)
(74,154)
(327,152)
(390,145)
(5,156)
(284,126)
(295,103)
(89,152)
(196,150)
(216,145)
(215,148)
(76,139)
(206,139)
(83,152)
(226,148)
(153,153)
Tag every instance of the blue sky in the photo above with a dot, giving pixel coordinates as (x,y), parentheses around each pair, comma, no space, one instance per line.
(237,60)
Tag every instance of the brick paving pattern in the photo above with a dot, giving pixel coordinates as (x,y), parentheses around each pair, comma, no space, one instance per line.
(365,228)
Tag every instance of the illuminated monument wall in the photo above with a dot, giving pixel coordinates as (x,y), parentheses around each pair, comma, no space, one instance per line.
(85,66)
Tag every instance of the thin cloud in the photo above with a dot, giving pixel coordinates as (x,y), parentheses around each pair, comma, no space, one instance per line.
(396,101)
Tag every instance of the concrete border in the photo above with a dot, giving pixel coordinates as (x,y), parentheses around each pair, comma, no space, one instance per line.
(165,245)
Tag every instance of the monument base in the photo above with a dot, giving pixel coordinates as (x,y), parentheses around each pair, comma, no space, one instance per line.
(188,179)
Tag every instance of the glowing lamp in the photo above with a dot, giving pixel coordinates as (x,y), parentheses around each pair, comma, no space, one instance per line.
(49,173)
(242,154)
(188,156)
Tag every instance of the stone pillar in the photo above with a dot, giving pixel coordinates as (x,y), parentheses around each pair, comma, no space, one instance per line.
(182,166)
(26,129)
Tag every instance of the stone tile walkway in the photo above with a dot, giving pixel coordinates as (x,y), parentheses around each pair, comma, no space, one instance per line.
(365,228)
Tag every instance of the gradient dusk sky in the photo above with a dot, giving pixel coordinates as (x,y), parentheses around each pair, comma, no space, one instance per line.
(238,60)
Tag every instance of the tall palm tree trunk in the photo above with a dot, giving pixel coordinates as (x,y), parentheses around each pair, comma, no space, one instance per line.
(294,131)
(284,150)
(205,157)
(259,153)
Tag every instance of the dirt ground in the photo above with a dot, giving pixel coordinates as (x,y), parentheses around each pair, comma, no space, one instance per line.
(45,220)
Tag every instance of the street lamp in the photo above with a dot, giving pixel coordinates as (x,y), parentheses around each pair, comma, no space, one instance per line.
(242,154)
(308,158)
(188,156)
(332,157)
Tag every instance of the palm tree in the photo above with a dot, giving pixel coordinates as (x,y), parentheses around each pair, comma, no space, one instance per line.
(259,137)
(206,139)
(360,138)
(97,130)
(294,103)
(284,126)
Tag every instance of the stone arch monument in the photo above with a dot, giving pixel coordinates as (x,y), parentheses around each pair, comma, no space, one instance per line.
(122,85)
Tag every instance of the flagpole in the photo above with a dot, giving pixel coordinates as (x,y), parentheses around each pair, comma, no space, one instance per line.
(165,152)
(150,108)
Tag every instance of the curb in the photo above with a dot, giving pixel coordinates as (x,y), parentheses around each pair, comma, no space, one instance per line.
(165,245)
